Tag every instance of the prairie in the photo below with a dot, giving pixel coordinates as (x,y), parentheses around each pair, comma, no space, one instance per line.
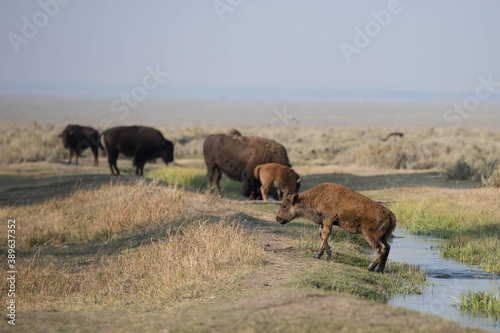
(96,252)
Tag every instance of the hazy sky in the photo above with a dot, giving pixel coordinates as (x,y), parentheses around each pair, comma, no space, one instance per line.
(429,46)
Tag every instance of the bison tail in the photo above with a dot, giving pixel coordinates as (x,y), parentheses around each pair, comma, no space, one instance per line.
(99,139)
(392,226)
(256,172)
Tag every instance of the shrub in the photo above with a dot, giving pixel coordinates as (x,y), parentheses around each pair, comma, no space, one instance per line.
(460,171)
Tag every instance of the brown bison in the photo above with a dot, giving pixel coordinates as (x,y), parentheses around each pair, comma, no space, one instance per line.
(277,177)
(140,142)
(78,138)
(331,204)
(237,156)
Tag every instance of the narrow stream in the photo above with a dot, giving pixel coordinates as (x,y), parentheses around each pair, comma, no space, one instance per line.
(447,277)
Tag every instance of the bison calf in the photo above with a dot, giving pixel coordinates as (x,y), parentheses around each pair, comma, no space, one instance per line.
(331,204)
(78,138)
(277,177)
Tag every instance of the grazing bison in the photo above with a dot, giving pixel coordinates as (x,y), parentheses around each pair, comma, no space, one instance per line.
(277,177)
(78,138)
(140,142)
(237,156)
(331,204)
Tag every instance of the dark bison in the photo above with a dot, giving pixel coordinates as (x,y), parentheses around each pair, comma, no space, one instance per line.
(78,138)
(237,156)
(140,142)
(331,204)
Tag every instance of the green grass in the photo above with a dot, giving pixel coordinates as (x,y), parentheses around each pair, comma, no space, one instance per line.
(474,233)
(483,303)
(193,178)
(347,276)
(346,272)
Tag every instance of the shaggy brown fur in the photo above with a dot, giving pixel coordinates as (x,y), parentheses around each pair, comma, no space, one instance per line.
(331,204)
(236,157)
(277,177)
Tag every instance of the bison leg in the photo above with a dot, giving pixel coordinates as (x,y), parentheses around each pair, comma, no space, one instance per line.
(386,249)
(95,151)
(264,190)
(112,157)
(216,179)
(246,189)
(213,177)
(139,169)
(139,161)
(210,174)
(70,155)
(382,249)
(250,188)
(326,229)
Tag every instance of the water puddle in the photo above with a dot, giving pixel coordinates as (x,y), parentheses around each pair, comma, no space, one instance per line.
(447,277)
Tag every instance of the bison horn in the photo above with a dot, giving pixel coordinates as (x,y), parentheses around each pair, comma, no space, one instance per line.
(299,179)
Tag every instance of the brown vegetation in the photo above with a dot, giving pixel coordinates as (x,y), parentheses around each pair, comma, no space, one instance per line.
(393,134)
(431,148)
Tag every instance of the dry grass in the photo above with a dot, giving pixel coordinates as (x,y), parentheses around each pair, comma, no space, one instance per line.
(30,143)
(139,245)
(419,148)
(186,264)
(91,215)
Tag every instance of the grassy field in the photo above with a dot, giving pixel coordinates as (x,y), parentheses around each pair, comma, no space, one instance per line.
(461,154)
(94,249)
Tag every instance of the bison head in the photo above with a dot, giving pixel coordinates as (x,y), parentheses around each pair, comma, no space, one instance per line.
(288,210)
(65,136)
(167,151)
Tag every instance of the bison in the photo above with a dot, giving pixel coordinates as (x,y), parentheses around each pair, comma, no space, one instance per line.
(233,132)
(78,138)
(331,204)
(277,177)
(140,142)
(237,156)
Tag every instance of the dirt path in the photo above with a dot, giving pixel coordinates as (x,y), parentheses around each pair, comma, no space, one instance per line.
(261,302)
